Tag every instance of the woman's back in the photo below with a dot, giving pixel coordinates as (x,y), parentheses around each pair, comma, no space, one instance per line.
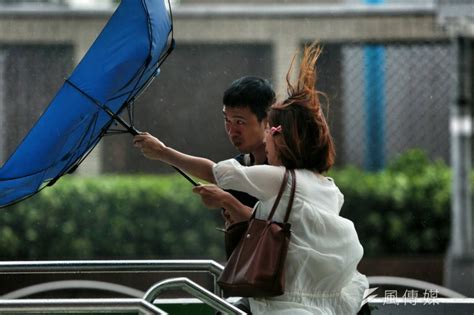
(324,249)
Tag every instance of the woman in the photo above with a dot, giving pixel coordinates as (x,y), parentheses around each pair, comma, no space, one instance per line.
(324,250)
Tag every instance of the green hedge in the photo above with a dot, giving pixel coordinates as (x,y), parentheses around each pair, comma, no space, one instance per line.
(111,217)
(401,210)
(404,209)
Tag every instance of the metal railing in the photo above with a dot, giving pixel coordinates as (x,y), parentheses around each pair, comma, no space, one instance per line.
(49,306)
(193,289)
(114,266)
(142,305)
(421,306)
(72,284)
(149,302)
(110,266)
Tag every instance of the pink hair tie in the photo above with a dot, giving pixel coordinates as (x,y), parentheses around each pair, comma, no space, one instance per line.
(274,130)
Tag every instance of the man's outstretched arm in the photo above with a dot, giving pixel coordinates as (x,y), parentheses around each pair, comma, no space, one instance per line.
(152,148)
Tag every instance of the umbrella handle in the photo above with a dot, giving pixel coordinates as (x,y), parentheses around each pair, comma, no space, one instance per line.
(192,181)
(134,131)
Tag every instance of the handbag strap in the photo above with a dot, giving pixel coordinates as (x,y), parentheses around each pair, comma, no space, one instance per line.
(280,193)
(292,195)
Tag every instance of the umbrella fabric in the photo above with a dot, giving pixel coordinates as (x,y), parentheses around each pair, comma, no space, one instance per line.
(118,66)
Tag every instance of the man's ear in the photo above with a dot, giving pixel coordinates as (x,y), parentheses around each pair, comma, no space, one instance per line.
(264,122)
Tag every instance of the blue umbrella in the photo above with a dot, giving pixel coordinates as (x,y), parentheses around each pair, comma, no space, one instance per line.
(120,64)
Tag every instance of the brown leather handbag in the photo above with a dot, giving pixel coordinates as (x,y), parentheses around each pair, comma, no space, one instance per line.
(256,266)
(233,235)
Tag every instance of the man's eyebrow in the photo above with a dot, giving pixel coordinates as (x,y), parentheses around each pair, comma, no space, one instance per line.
(234,117)
(240,117)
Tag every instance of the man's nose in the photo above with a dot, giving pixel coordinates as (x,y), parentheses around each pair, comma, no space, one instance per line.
(232,130)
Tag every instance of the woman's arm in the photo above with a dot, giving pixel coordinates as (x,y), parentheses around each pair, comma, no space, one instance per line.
(152,148)
(260,181)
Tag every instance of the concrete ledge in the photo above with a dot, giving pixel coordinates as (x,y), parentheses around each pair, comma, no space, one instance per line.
(239,10)
(301,10)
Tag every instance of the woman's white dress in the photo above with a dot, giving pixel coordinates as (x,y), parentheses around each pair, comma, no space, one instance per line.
(321,266)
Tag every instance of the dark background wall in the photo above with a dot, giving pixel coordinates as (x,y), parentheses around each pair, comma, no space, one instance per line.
(32,75)
(183,106)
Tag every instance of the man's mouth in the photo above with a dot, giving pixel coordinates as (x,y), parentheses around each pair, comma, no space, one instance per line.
(236,141)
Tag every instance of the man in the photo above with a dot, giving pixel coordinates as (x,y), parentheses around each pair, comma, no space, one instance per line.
(246,103)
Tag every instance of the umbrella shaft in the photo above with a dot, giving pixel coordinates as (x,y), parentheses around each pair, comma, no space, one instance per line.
(134,131)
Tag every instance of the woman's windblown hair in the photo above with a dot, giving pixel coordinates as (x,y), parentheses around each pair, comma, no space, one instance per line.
(305,140)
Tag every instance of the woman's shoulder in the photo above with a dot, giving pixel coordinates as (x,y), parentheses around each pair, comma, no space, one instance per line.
(238,163)
(259,170)
(315,178)
(318,189)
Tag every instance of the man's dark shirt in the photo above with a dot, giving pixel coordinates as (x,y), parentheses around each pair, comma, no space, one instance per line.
(244,198)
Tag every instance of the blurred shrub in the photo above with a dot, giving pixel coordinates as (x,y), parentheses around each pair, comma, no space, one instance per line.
(404,209)
(111,217)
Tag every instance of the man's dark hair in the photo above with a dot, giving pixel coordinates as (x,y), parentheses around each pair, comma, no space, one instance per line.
(253,92)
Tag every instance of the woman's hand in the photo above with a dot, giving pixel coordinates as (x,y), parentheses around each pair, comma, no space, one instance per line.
(211,195)
(151,147)
(214,197)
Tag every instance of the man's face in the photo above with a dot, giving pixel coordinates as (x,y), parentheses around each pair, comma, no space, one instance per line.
(243,128)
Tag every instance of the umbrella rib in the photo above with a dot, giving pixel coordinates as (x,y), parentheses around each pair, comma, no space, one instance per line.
(143,69)
(131,113)
(74,151)
(107,110)
(130,128)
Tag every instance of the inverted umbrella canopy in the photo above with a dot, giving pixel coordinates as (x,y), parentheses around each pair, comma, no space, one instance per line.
(119,65)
